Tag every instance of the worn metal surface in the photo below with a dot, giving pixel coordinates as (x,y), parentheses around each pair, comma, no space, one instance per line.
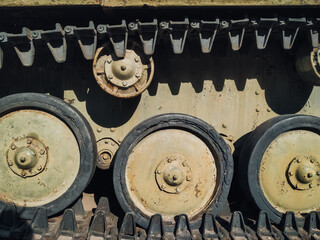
(289,172)
(123,77)
(169,172)
(159,3)
(60,169)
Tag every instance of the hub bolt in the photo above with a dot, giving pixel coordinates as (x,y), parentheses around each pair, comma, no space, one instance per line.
(188,178)
(23,173)
(310,185)
(110,77)
(159,171)
(39,168)
(136,59)
(174,177)
(13,147)
(298,160)
(290,173)
(163,187)
(29,141)
(123,67)
(312,160)
(42,152)
(109,61)
(169,160)
(10,163)
(22,159)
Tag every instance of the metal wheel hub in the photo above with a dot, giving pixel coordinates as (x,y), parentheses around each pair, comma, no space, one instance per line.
(27,157)
(124,72)
(123,77)
(303,173)
(107,148)
(173,174)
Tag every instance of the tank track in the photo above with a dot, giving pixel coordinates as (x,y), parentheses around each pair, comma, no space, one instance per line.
(177,32)
(75,223)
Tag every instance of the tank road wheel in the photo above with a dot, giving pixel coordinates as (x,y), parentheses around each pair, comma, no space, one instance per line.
(172,164)
(123,77)
(47,153)
(308,64)
(281,161)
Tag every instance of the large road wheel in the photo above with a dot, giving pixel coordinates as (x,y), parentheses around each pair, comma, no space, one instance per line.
(281,165)
(47,153)
(172,164)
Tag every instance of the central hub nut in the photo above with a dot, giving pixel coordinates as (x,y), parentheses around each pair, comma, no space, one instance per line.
(25,158)
(173,174)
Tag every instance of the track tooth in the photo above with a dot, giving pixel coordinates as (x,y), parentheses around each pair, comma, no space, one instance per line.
(118,35)
(178,31)
(103,205)
(155,231)
(98,226)
(263,28)
(39,223)
(56,43)
(314,225)
(210,228)
(87,38)
(264,227)
(23,45)
(313,25)
(78,208)
(182,230)
(68,225)
(128,227)
(148,32)
(290,227)
(236,33)
(290,29)
(238,228)
(9,215)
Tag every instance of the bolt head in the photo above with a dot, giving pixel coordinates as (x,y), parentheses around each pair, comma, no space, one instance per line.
(29,141)
(169,160)
(2,37)
(163,24)
(42,151)
(136,59)
(10,163)
(290,173)
(109,61)
(39,168)
(110,77)
(131,25)
(310,185)
(13,147)
(312,160)
(162,187)
(35,34)
(100,28)
(68,29)
(159,171)
(23,173)
(298,160)
(188,178)
(124,84)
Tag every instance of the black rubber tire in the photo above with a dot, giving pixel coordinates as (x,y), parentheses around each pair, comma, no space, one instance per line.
(82,132)
(184,122)
(254,148)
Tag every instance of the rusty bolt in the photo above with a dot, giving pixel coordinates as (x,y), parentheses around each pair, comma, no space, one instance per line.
(10,163)
(39,168)
(42,151)
(29,141)
(290,173)
(13,147)
(110,77)
(23,173)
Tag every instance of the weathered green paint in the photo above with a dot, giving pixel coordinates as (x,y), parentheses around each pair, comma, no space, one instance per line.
(159,3)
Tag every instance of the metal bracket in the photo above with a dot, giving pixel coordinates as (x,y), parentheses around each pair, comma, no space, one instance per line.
(314,28)
(87,38)
(290,28)
(290,228)
(262,30)
(264,227)
(22,44)
(210,228)
(207,33)
(118,35)
(238,227)
(236,32)
(55,41)
(177,32)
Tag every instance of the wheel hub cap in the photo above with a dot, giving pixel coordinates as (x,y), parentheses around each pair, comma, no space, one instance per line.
(27,157)
(303,171)
(173,174)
